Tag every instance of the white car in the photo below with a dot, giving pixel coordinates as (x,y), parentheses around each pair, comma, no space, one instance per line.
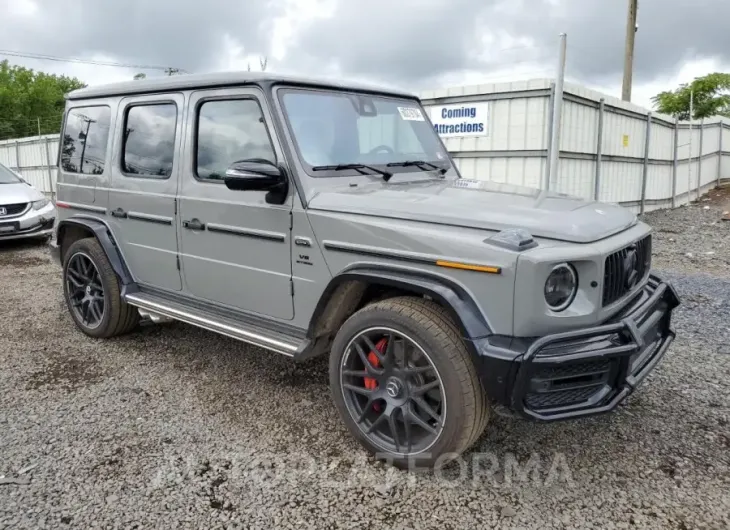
(24,211)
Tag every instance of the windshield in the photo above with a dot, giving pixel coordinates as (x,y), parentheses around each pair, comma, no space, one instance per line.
(7,176)
(336,129)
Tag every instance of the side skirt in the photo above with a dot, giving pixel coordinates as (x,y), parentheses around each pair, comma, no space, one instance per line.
(237,328)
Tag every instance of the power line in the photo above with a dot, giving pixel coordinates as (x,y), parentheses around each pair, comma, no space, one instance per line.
(28,55)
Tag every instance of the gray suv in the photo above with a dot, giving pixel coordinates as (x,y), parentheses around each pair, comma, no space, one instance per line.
(315,218)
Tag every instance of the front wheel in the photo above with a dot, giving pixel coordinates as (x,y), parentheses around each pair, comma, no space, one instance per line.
(404,383)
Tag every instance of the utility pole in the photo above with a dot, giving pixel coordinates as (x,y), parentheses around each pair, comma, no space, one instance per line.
(631,29)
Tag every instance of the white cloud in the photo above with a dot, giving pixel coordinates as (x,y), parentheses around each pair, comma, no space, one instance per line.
(21,8)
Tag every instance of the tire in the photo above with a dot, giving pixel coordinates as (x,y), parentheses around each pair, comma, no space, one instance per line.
(116,317)
(462,411)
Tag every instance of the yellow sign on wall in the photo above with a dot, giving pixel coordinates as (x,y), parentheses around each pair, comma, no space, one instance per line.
(626,140)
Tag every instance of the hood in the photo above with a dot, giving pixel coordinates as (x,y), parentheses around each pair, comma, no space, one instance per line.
(478,204)
(18,193)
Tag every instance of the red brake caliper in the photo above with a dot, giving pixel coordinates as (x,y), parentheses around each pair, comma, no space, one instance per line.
(370,382)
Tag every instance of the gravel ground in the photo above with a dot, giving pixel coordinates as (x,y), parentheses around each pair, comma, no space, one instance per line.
(178,427)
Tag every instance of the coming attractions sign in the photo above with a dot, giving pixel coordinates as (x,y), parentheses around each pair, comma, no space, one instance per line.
(470,119)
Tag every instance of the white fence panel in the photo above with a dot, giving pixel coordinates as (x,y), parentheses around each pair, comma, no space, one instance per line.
(623,135)
(661,141)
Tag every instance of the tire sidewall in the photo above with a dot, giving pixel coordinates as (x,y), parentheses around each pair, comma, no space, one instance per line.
(380,317)
(89,250)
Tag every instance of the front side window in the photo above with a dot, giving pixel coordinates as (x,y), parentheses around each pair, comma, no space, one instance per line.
(228,131)
(84,142)
(149,140)
(331,128)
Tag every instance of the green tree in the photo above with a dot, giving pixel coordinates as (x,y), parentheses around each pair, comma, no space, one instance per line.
(27,96)
(139,76)
(710,94)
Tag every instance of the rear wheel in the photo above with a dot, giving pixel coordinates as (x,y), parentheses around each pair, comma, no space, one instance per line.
(92,292)
(403,382)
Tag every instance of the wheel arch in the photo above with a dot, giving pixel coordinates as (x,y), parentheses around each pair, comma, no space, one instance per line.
(74,228)
(347,291)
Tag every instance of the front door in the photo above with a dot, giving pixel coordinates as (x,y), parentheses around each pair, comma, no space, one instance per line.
(144,185)
(235,246)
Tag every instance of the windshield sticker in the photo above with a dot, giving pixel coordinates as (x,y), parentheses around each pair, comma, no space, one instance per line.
(467,183)
(411,114)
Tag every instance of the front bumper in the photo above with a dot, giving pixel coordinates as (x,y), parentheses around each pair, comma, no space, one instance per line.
(583,372)
(31,223)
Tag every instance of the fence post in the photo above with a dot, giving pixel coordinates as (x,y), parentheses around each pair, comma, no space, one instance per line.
(699,160)
(549,136)
(675,163)
(646,162)
(719,155)
(599,150)
(17,155)
(50,172)
(554,153)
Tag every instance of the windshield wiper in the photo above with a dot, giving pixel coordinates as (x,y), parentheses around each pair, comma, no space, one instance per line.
(420,164)
(357,167)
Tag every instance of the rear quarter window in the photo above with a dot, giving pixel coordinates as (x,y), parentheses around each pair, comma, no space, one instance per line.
(85,140)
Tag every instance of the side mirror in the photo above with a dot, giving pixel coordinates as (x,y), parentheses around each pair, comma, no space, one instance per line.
(257,174)
(253,174)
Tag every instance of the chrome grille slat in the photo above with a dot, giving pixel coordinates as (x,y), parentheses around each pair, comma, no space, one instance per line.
(615,277)
(12,210)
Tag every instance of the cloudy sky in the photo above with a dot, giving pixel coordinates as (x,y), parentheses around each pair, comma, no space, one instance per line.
(414,44)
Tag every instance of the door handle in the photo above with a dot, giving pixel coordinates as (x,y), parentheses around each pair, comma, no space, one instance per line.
(119,213)
(194,224)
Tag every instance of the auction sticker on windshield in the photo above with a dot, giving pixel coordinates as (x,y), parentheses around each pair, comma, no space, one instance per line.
(411,114)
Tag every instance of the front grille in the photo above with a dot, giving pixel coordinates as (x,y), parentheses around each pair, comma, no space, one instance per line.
(13,209)
(624,269)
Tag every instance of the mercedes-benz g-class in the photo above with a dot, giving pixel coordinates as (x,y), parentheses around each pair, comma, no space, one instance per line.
(315,218)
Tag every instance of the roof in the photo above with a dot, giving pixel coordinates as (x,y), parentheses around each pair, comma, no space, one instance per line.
(222,79)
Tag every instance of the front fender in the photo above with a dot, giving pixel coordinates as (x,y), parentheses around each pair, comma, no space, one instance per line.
(447,292)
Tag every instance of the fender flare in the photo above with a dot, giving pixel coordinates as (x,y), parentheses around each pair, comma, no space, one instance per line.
(450,294)
(103,235)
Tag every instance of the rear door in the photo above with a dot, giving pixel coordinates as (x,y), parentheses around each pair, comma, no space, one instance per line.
(235,246)
(142,199)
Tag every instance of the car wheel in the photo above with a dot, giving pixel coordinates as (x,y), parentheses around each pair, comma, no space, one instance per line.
(404,383)
(92,292)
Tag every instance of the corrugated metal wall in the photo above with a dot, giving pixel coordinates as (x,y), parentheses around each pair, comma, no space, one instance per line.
(516,146)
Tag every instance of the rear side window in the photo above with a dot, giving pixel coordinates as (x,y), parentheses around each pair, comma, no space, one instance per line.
(230,130)
(85,136)
(149,140)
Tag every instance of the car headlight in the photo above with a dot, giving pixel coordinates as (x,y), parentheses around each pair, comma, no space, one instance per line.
(37,205)
(561,286)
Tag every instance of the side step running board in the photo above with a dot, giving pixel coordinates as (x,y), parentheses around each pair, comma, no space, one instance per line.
(256,336)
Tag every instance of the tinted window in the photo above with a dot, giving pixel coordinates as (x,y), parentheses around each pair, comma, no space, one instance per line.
(149,144)
(83,149)
(228,131)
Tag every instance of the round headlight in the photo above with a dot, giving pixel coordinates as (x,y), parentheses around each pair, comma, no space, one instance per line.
(561,286)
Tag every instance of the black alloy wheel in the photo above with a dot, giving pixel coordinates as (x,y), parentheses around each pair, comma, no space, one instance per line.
(393,391)
(93,291)
(85,290)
